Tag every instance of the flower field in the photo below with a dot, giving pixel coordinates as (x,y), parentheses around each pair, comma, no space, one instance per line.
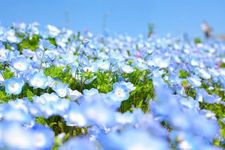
(68,90)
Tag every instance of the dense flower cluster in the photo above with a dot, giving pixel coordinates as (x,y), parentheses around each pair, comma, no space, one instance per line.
(65,90)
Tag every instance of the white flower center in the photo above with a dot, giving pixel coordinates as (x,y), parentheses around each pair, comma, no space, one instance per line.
(20,66)
(13,86)
(119,92)
(77,118)
(40,140)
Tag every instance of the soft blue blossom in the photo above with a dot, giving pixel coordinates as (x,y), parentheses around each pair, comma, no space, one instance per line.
(38,80)
(61,89)
(43,137)
(81,143)
(14,85)
(120,92)
(20,64)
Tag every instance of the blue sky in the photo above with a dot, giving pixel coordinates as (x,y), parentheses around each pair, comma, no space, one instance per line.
(121,16)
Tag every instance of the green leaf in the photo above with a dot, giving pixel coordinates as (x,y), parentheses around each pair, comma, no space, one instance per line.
(183,74)
(197,41)
(4,98)
(144,91)
(52,41)
(7,74)
(29,43)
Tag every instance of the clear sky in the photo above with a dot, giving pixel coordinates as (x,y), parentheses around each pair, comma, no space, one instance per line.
(120,16)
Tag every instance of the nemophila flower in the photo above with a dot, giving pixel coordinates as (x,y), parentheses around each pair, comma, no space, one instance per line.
(61,41)
(48,105)
(20,27)
(34,110)
(3,54)
(90,92)
(14,85)
(53,97)
(46,110)
(20,104)
(61,107)
(208,129)
(50,82)
(203,96)
(49,56)
(115,56)
(189,103)
(120,92)
(45,44)
(133,139)
(75,116)
(13,114)
(38,80)
(42,106)
(33,28)
(127,68)
(208,114)
(130,86)
(212,99)
(141,64)
(178,120)
(11,36)
(204,74)
(148,122)
(124,118)
(68,59)
(92,68)
(195,81)
(20,63)
(74,94)
(28,53)
(52,30)
(98,112)
(159,62)
(83,60)
(61,89)
(188,141)
(22,138)
(43,137)
(90,80)
(102,55)
(81,143)
(103,65)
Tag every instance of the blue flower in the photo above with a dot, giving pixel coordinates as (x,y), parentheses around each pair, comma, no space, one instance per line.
(79,143)
(120,92)
(11,36)
(61,89)
(14,86)
(20,64)
(38,80)
(53,31)
(90,92)
(75,116)
(43,137)
(10,113)
(74,94)
(98,112)
(45,44)
(22,138)
(127,68)
(132,139)
(103,65)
